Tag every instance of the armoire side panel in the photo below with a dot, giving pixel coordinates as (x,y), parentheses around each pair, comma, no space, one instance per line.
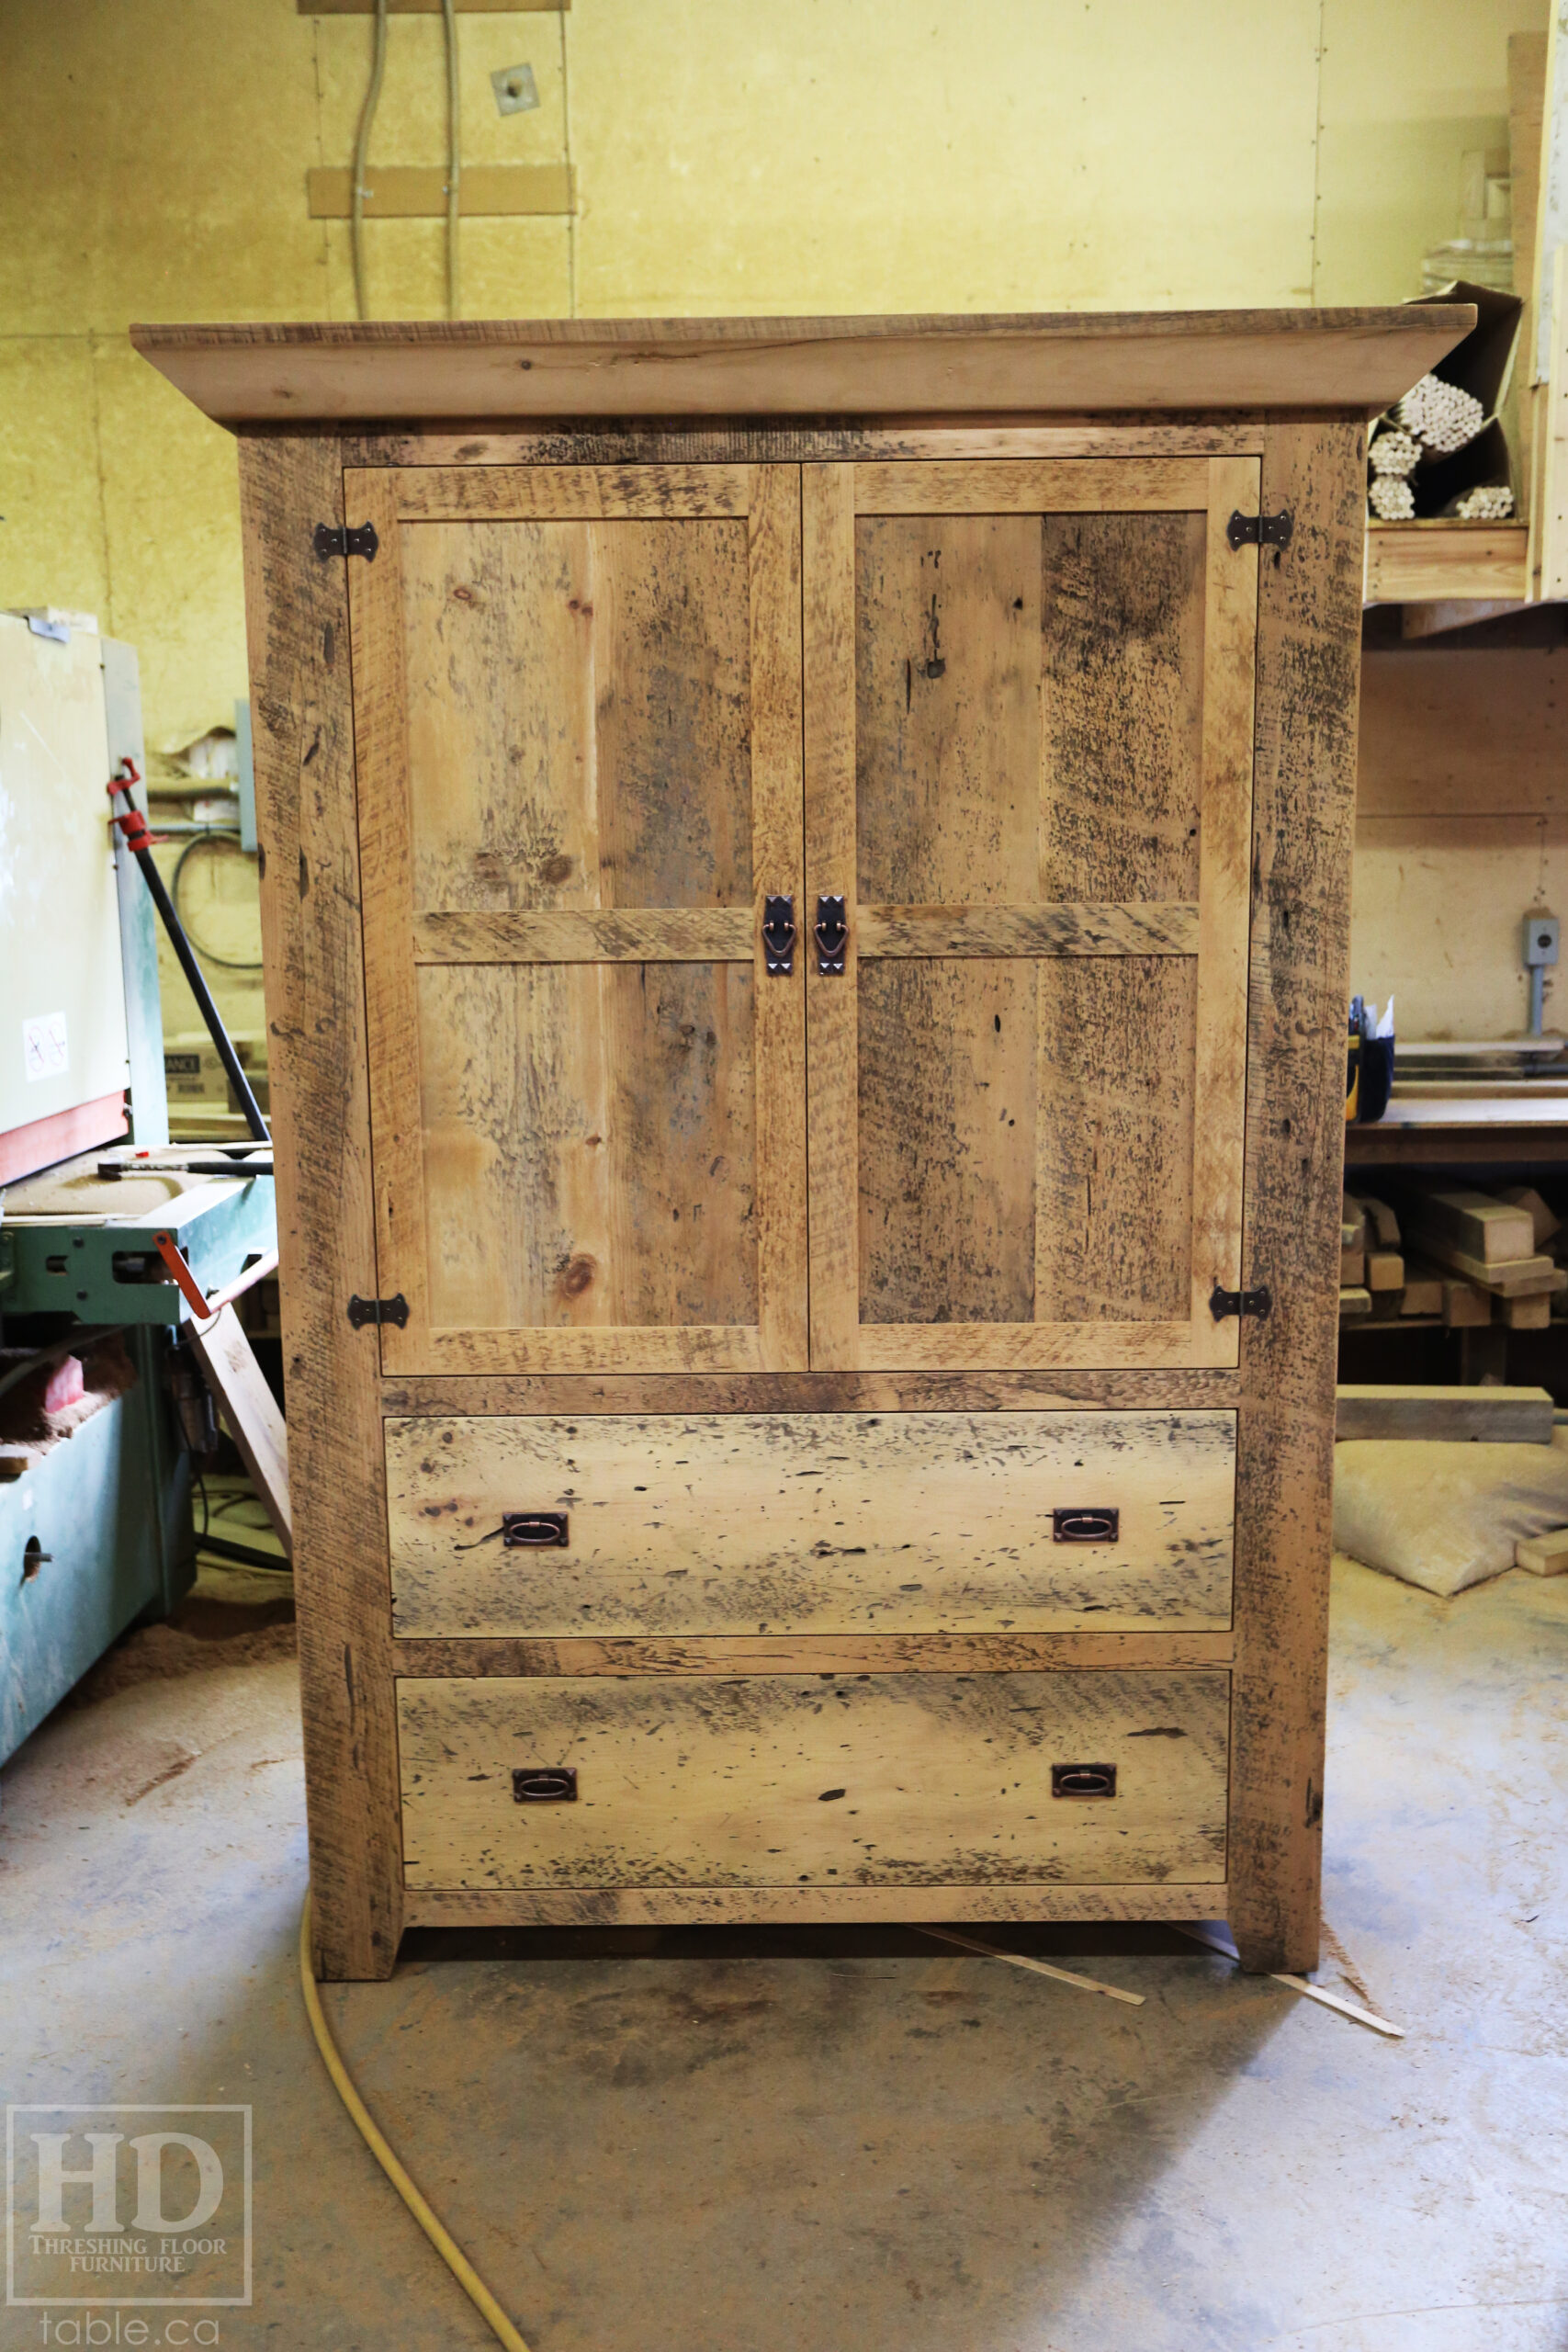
(1309,669)
(297,621)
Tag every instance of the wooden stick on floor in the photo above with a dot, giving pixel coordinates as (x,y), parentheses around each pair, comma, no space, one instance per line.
(1040,1967)
(1300,1985)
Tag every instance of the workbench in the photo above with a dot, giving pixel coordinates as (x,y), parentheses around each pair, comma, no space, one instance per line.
(95,1512)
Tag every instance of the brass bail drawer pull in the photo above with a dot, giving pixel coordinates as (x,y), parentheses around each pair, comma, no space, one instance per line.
(831,932)
(1083,1779)
(779,935)
(532,1531)
(544,1784)
(1085,1526)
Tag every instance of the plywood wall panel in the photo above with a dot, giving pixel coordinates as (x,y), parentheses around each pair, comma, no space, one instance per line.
(1451,732)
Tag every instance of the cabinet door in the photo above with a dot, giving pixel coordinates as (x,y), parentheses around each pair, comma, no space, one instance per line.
(577,742)
(1029,701)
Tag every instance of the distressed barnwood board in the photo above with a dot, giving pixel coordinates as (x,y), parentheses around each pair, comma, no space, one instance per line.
(711,1906)
(907,1779)
(809,1391)
(660,440)
(1516,1416)
(828,666)
(1147,929)
(1352,359)
(1219,1078)
(298,622)
(751,1523)
(492,1654)
(583,935)
(1304,807)
(1154,486)
(529,494)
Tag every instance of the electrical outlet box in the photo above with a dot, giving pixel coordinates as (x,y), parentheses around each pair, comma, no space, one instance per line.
(515,89)
(1541,939)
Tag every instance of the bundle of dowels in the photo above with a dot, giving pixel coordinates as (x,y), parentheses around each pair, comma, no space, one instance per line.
(1489,502)
(1439,415)
(1396,452)
(1390,500)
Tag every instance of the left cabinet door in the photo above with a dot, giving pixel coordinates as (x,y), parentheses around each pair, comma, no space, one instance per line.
(578,751)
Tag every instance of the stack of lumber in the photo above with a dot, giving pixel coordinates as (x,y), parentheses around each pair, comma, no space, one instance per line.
(1468,1257)
(1473,1415)
(1497,1242)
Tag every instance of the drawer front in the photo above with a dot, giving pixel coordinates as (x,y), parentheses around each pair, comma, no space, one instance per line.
(897,1779)
(813,1522)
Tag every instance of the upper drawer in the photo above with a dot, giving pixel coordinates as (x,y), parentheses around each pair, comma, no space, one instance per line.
(814,1522)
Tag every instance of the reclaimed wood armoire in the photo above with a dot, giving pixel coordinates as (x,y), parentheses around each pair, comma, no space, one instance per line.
(805,881)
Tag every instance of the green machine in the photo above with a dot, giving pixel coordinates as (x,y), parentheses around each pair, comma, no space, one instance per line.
(108,1246)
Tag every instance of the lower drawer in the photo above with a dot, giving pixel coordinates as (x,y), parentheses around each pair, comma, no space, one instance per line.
(824,1779)
(812,1522)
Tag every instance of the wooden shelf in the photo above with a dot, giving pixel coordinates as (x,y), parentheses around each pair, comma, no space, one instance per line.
(1463,1143)
(1439,562)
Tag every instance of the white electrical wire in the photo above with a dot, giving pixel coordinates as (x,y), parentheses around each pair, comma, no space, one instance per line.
(361,152)
(453,163)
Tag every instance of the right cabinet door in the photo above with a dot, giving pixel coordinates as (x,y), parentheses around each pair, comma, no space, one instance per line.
(1029,724)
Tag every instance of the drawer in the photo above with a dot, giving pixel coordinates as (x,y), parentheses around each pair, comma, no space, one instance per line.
(777,1779)
(814,1522)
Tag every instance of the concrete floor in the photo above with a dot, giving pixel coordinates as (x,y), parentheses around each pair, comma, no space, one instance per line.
(808,2144)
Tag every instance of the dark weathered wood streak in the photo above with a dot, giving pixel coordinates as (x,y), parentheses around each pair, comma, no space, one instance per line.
(1304,786)
(813,1654)
(607,441)
(297,615)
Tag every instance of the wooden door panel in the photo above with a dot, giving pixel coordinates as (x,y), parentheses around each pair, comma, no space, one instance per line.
(1028,722)
(1123,693)
(1113,1224)
(577,721)
(590,1145)
(947,759)
(568,682)
(947,1095)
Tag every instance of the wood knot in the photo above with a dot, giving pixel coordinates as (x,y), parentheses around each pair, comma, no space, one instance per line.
(577,1275)
(558,869)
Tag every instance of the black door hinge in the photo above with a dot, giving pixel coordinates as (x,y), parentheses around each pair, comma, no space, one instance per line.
(1240,1302)
(379,1310)
(1260,530)
(346,539)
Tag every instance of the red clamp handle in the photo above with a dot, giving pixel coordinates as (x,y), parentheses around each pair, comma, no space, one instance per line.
(130,819)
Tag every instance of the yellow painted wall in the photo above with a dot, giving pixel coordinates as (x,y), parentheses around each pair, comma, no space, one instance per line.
(732,155)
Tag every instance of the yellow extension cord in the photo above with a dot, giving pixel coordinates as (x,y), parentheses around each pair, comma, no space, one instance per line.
(445,2246)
